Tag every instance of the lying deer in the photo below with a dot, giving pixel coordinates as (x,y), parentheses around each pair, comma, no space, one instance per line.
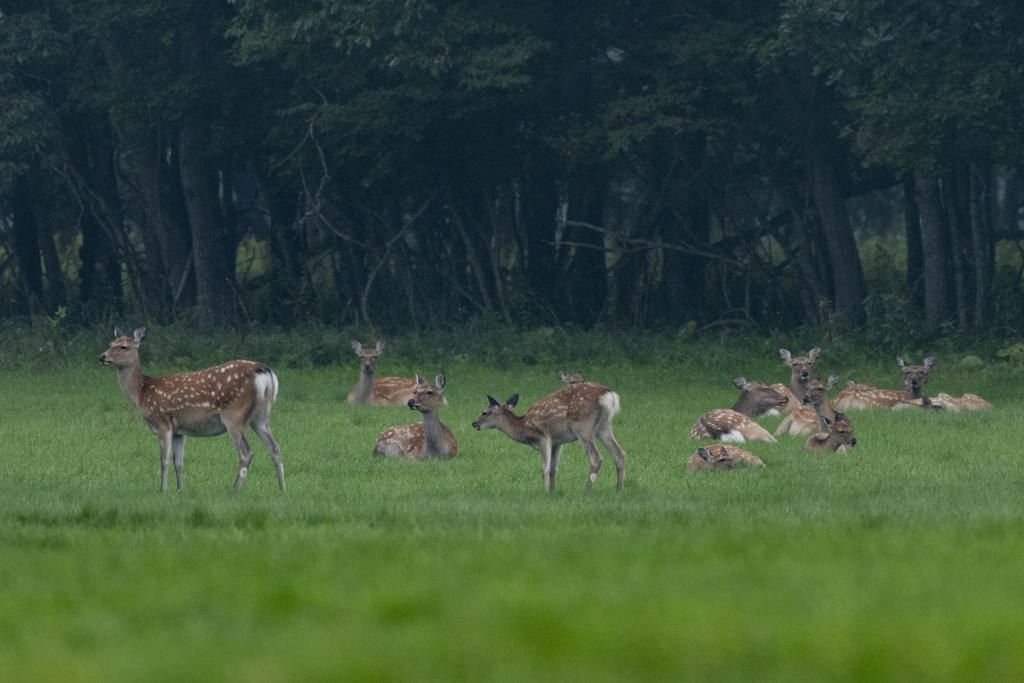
(838,439)
(385,391)
(810,417)
(581,411)
(800,371)
(862,396)
(757,398)
(209,402)
(571,379)
(728,425)
(721,457)
(420,440)
(792,404)
(965,402)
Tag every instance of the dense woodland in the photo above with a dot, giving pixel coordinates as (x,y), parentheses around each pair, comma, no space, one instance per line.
(416,164)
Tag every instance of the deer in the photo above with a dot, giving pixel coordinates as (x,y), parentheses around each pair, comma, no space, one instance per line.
(965,402)
(757,398)
(863,396)
(800,371)
(810,417)
(838,439)
(721,457)
(384,391)
(208,402)
(792,404)
(420,440)
(571,379)
(580,411)
(728,425)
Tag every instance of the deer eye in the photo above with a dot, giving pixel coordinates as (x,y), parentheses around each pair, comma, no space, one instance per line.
(430,393)
(124,347)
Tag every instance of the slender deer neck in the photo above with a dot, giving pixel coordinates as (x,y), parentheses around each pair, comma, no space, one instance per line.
(745,404)
(131,379)
(824,409)
(515,428)
(434,433)
(364,388)
(798,387)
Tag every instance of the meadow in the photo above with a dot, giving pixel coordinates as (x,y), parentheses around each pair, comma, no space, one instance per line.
(902,561)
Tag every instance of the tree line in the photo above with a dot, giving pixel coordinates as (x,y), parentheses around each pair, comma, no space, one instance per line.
(421,163)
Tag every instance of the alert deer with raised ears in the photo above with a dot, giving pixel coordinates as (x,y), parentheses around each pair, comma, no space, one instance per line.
(225,398)
(721,457)
(580,411)
(383,391)
(420,440)
(863,396)
(800,371)
(810,418)
(838,439)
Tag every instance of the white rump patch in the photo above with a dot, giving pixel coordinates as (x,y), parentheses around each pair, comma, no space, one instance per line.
(731,437)
(610,400)
(773,413)
(266,385)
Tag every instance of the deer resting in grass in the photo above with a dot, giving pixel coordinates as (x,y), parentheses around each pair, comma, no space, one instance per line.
(792,404)
(571,379)
(862,396)
(757,398)
(965,402)
(384,391)
(728,425)
(800,371)
(838,439)
(209,402)
(581,411)
(420,440)
(721,457)
(810,417)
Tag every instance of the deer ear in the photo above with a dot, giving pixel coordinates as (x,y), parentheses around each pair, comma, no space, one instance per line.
(561,375)
(840,417)
(492,401)
(140,334)
(703,453)
(816,376)
(118,333)
(815,352)
(740,383)
(380,346)
(899,361)
(439,382)
(828,422)
(356,346)
(723,452)
(832,381)
(786,357)
(419,380)
(850,382)
(512,401)
(928,362)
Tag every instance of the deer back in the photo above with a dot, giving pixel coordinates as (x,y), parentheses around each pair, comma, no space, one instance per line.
(737,455)
(728,425)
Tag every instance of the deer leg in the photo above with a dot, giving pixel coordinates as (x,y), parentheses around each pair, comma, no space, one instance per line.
(545,463)
(165,437)
(262,430)
(178,446)
(619,455)
(590,448)
(244,451)
(556,453)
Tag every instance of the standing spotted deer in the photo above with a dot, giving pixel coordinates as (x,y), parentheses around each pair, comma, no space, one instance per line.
(580,411)
(209,402)
(385,391)
(420,440)
(800,371)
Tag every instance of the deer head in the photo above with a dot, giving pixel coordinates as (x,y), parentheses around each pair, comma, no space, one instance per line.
(123,350)
(495,413)
(817,391)
(571,379)
(842,432)
(426,397)
(801,365)
(915,376)
(368,359)
(757,398)
(717,461)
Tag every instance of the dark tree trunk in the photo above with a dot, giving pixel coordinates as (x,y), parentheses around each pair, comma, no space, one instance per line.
(915,253)
(984,249)
(56,292)
(956,190)
(25,244)
(934,245)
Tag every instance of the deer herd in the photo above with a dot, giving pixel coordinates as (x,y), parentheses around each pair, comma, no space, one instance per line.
(229,397)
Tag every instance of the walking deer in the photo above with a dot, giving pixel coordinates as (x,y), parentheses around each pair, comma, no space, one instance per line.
(800,371)
(384,391)
(728,425)
(209,402)
(838,439)
(810,417)
(757,398)
(571,379)
(582,411)
(721,457)
(420,440)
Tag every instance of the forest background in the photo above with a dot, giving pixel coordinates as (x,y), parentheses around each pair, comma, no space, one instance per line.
(424,165)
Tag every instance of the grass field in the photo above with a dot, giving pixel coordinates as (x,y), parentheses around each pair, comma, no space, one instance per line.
(903,561)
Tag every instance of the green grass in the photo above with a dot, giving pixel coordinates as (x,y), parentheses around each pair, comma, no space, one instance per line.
(902,561)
